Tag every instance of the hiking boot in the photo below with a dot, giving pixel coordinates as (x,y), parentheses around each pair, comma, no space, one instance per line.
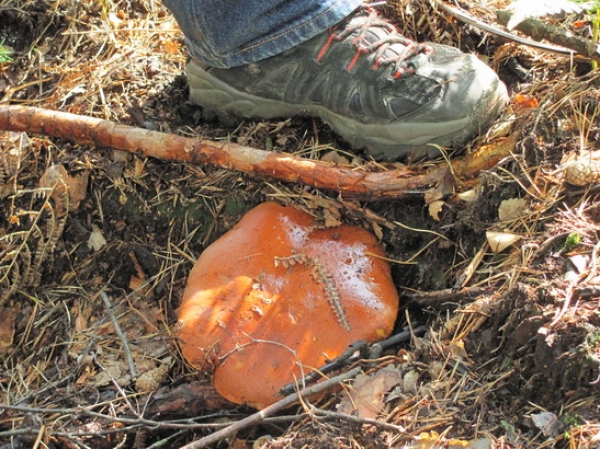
(377,89)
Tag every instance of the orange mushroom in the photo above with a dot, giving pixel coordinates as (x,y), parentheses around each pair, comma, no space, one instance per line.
(276,297)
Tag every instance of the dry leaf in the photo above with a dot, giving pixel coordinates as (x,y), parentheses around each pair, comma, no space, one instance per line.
(139,167)
(457,349)
(580,262)
(56,179)
(77,189)
(499,241)
(471,195)
(548,423)
(332,217)
(81,322)
(483,443)
(141,274)
(12,152)
(121,156)
(96,240)
(435,208)
(135,283)
(64,186)
(512,208)
(435,369)
(410,381)
(432,195)
(7,328)
(114,371)
(377,230)
(335,158)
(365,398)
(6,190)
(84,375)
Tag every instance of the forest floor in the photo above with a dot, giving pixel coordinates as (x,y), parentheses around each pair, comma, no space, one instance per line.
(502,273)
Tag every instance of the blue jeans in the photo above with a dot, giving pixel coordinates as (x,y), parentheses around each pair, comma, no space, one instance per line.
(230,33)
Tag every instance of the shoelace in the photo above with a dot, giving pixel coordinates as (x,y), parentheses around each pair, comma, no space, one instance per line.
(401,60)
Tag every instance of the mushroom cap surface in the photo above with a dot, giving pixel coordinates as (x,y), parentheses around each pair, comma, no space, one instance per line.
(276,297)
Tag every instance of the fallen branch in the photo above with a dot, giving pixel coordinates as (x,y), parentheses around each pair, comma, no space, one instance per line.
(350,182)
(539,30)
(532,28)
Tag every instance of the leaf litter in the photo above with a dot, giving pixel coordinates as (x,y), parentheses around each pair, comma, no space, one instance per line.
(512,337)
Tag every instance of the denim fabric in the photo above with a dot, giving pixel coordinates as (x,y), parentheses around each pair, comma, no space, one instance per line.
(230,33)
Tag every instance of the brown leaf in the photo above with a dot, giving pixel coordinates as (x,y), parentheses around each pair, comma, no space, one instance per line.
(141,274)
(365,398)
(62,184)
(85,373)
(7,328)
(139,282)
(136,283)
(499,241)
(81,323)
(77,189)
(512,208)
(332,217)
(377,230)
(56,179)
(96,240)
(435,207)
(335,158)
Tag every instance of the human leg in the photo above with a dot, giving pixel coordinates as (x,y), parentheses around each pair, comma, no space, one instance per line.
(230,33)
(377,89)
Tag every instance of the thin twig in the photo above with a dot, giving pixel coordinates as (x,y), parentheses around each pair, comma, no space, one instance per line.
(403,336)
(119,332)
(39,437)
(327,414)
(259,416)
(567,303)
(439,297)
(47,387)
(174,424)
(357,350)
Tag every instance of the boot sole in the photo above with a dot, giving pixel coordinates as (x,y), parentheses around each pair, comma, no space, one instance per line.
(383,142)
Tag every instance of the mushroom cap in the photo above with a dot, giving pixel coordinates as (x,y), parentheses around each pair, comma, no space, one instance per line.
(276,297)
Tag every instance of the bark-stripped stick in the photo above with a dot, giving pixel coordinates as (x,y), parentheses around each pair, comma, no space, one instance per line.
(350,182)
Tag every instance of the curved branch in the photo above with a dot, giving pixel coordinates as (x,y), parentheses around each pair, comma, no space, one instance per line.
(349,182)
